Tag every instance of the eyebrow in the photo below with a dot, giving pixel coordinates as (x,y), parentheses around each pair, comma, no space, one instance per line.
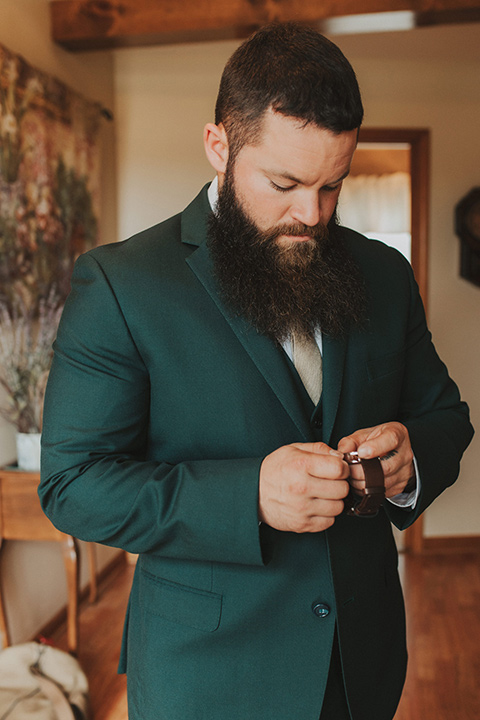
(297,181)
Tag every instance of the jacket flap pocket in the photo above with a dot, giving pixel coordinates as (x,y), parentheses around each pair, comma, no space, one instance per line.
(181,603)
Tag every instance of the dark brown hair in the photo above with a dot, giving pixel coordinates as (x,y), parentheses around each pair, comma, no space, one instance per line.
(294,70)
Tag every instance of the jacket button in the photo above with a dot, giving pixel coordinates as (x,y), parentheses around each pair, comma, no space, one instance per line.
(318,422)
(321,609)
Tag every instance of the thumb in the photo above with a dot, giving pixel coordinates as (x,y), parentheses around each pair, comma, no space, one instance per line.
(352,442)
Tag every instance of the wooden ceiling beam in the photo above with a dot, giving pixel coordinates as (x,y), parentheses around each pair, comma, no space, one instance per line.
(103,24)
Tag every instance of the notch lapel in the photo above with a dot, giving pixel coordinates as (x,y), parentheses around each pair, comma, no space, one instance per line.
(269,359)
(334,353)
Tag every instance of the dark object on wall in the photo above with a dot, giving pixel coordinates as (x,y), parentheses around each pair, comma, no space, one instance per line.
(467,227)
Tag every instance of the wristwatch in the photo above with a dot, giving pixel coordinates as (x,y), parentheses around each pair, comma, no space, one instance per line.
(368,503)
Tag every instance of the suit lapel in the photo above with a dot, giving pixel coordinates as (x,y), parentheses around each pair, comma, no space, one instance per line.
(270,360)
(334,352)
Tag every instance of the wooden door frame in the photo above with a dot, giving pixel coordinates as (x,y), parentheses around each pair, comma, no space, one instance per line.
(419,141)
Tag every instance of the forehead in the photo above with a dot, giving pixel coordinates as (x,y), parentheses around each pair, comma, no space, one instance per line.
(288,146)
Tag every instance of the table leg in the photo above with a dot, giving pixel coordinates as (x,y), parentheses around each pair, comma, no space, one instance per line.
(3,622)
(72,567)
(93,571)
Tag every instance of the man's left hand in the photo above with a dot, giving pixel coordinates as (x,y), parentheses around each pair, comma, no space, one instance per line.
(391,443)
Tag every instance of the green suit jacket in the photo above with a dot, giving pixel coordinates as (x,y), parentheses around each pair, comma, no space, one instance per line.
(161,405)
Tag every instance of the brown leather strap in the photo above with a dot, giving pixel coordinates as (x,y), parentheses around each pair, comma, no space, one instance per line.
(367,504)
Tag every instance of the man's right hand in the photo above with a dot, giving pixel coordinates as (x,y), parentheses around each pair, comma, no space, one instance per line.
(302,487)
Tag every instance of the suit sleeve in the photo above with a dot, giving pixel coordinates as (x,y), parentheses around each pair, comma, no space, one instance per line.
(433,412)
(97,481)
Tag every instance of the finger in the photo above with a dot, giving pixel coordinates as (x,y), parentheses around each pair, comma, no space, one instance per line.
(330,490)
(394,489)
(327,508)
(357,485)
(313,524)
(393,463)
(396,483)
(383,440)
(356,472)
(318,460)
(351,442)
(327,467)
(398,466)
(318,448)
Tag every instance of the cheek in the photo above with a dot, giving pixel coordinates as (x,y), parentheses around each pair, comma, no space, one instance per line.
(329,203)
(273,209)
(266,210)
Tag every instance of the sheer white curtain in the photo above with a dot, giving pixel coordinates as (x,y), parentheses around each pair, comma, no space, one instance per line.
(378,206)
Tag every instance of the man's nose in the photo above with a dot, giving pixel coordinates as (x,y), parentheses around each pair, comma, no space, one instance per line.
(307,210)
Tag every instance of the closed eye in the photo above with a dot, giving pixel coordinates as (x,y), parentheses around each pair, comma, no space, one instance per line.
(281,188)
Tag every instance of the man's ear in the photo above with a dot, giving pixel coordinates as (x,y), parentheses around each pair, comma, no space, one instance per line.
(216,146)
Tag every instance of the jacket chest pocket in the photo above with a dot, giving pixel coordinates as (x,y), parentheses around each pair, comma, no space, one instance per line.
(385,375)
(384,366)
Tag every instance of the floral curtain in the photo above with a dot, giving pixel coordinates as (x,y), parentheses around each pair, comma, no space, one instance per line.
(49,181)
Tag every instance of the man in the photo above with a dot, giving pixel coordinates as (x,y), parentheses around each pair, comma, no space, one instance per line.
(177,425)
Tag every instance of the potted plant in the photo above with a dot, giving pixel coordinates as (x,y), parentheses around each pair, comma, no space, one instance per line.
(27,332)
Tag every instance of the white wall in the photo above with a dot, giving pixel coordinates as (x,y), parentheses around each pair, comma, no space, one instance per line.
(32,574)
(425,78)
(164,97)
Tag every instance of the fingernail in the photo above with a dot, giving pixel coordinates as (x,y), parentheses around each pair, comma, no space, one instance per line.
(364,451)
(336,453)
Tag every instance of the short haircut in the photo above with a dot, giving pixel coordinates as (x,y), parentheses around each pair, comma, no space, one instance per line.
(294,70)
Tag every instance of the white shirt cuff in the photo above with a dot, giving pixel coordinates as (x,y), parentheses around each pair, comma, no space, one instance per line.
(408,500)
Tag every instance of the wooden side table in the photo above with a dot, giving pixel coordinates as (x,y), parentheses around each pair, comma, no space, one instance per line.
(22,518)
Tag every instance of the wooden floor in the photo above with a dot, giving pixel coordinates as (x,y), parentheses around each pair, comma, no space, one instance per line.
(442,594)
(101,626)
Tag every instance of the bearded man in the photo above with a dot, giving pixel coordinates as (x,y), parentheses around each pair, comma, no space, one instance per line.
(210,376)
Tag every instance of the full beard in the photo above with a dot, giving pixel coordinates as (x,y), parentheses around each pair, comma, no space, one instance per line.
(280,288)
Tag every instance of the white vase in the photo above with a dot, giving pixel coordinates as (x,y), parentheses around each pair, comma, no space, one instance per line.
(28,451)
